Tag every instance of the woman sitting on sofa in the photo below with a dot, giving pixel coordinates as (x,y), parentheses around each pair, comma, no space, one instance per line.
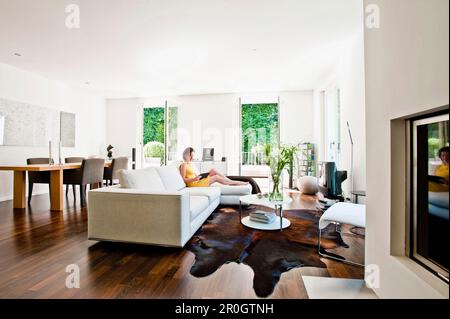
(192,179)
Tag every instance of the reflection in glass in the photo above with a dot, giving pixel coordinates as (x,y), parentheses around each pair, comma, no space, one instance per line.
(431,192)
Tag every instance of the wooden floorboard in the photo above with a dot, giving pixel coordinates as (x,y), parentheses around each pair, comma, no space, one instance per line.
(36,245)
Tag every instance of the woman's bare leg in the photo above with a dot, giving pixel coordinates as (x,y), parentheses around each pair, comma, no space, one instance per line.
(224,181)
(214,172)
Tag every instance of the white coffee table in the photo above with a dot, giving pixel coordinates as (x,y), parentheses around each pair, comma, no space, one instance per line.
(279,223)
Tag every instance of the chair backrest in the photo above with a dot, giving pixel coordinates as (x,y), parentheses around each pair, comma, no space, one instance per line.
(74,159)
(92,170)
(118,164)
(39,177)
(38,160)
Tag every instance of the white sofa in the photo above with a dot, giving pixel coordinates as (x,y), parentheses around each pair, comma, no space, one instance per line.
(154,206)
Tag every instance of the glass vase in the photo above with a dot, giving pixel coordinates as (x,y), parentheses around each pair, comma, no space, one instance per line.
(276,193)
(276,182)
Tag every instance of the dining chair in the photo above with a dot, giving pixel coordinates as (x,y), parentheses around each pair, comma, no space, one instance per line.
(37,177)
(90,173)
(72,160)
(110,173)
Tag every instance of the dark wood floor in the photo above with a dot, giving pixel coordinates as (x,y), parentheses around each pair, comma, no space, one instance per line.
(36,245)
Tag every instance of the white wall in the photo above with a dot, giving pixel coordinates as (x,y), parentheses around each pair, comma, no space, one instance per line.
(203,121)
(26,87)
(407,72)
(297,117)
(319,122)
(210,120)
(122,125)
(350,79)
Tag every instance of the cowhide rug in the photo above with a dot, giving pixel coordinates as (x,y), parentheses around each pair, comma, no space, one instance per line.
(223,239)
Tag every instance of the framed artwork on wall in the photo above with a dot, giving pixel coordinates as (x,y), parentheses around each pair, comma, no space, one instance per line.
(67,125)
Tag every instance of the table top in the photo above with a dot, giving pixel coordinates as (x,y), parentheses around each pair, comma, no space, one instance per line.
(43,167)
(264,201)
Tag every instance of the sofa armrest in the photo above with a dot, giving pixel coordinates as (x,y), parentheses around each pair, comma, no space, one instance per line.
(139,216)
(251,181)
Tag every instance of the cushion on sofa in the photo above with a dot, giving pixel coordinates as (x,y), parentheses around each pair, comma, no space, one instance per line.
(145,178)
(234,190)
(212,193)
(197,205)
(171,178)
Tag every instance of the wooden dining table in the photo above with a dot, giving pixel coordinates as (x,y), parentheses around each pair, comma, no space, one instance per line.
(56,181)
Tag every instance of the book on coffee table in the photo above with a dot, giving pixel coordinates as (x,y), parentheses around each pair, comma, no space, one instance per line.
(262,217)
(262,221)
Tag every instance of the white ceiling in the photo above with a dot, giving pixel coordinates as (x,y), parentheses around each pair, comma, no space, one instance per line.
(131,48)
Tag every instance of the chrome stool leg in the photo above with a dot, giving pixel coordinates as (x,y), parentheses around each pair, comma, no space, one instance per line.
(325,255)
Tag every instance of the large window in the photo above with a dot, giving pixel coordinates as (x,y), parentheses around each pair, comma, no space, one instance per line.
(159,138)
(259,124)
(430,192)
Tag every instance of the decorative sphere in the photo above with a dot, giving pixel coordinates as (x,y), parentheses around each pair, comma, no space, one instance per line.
(308,185)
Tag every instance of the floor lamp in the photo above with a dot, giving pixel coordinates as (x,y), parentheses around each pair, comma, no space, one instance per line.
(351,159)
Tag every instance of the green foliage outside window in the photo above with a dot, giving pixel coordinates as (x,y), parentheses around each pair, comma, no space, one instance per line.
(154,149)
(154,124)
(154,130)
(260,131)
(173,136)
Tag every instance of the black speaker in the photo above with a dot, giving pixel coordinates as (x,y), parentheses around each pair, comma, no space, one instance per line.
(330,180)
(133,158)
